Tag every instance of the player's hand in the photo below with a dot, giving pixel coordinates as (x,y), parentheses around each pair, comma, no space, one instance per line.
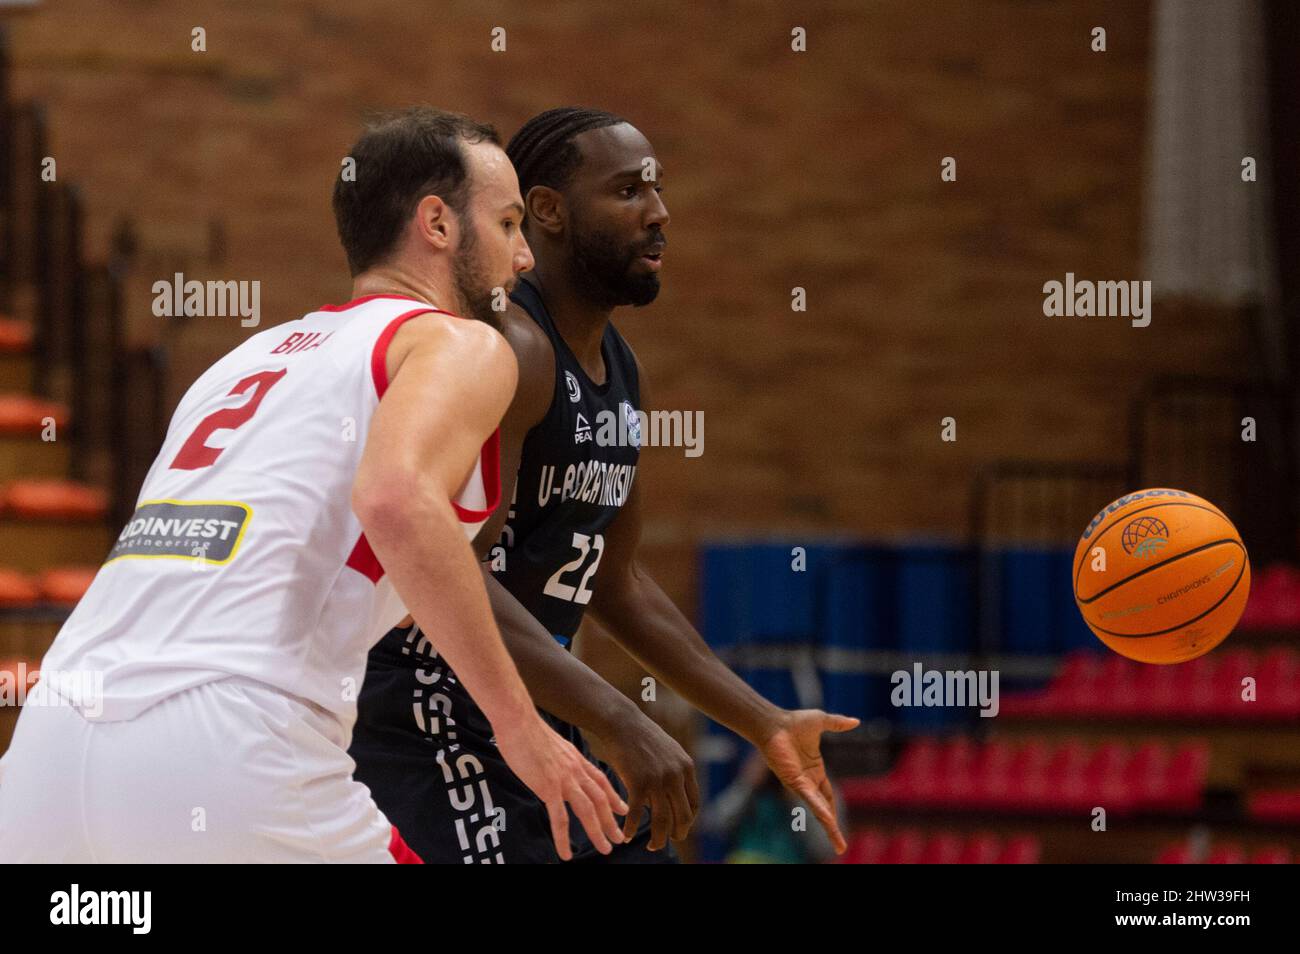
(559,775)
(657,772)
(793,752)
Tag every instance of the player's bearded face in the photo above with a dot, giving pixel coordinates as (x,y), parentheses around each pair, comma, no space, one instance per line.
(607,267)
(473,276)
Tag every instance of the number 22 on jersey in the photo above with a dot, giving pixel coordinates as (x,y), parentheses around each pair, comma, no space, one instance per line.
(580,593)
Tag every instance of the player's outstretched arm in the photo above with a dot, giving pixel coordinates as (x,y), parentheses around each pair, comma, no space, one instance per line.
(656,770)
(645,622)
(450,382)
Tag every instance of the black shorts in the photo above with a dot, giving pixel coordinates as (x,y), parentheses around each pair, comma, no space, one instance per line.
(425,750)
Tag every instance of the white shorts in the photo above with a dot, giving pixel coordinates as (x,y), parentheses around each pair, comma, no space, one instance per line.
(228,771)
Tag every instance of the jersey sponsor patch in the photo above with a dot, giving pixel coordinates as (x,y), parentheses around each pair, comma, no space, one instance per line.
(632,423)
(206,530)
(582,430)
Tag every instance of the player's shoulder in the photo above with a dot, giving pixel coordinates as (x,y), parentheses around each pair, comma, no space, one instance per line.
(526,337)
(443,329)
(535,355)
(637,368)
(627,345)
(474,346)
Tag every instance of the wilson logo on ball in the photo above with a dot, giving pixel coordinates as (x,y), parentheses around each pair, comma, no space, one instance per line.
(1144,537)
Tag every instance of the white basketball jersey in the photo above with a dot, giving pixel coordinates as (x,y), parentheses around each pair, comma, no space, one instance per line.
(243,556)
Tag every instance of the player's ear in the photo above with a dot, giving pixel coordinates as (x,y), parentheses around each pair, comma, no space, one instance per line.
(545,209)
(433,221)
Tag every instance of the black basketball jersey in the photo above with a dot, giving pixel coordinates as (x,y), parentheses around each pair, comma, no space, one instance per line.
(575,473)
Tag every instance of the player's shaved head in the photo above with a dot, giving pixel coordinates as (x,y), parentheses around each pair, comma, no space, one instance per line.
(401,158)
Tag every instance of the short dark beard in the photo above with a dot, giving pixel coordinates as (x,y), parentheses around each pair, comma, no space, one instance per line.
(471,277)
(601,270)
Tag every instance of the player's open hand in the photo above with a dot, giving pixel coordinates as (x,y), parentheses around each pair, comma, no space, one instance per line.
(559,775)
(794,753)
(657,772)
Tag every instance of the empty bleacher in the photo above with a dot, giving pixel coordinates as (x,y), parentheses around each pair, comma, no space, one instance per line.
(79,407)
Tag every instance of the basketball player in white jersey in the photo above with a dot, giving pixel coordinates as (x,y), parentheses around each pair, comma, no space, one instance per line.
(315,484)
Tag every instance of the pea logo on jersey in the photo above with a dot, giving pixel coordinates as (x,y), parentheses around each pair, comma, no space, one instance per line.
(633,422)
(581,430)
(1144,537)
(205,530)
(572,382)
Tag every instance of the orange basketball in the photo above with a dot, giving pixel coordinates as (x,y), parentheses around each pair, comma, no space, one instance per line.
(1161,576)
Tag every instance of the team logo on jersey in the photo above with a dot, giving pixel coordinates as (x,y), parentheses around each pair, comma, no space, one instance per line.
(574,394)
(633,422)
(206,530)
(582,432)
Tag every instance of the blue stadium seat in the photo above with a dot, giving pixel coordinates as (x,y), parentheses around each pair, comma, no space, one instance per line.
(858,614)
(935,614)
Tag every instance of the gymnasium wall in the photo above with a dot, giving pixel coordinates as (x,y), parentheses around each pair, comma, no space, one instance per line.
(818,169)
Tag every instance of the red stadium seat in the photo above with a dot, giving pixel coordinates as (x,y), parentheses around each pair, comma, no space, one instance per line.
(1021,850)
(1182,853)
(1232,669)
(1064,786)
(903,848)
(989,775)
(1058,696)
(1274,601)
(865,848)
(943,848)
(1078,696)
(13,669)
(1185,781)
(54,500)
(954,781)
(1037,777)
(1199,684)
(15,335)
(1108,779)
(1119,693)
(1271,855)
(1207,687)
(1025,775)
(1147,772)
(909,846)
(1226,854)
(915,772)
(1278,686)
(66,585)
(1179,853)
(1158,691)
(24,414)
(980,849)
(1276,805)
(17,589)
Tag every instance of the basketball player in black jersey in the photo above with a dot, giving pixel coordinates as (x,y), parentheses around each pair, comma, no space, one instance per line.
(568,543)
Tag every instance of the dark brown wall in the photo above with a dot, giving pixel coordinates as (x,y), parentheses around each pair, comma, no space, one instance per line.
(818,169)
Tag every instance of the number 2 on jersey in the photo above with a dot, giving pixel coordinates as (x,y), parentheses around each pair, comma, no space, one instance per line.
(579,593)
(195,453)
